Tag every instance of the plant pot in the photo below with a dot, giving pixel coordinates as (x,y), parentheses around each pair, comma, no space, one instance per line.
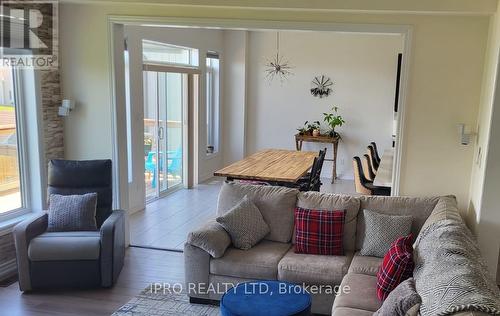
(316,133)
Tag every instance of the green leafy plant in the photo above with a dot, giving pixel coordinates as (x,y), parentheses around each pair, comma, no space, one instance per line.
(333,120)
(308,128)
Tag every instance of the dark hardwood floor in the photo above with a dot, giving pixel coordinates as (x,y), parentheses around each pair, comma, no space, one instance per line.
(142,267)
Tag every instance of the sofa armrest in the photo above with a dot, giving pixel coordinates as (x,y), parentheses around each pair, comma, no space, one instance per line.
(196,271)
(23,233)
(112,247)
(211,237)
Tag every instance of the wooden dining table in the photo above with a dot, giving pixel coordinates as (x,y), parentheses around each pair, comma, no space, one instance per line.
(272,165)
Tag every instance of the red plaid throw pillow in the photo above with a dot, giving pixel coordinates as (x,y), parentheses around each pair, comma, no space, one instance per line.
(396,267)
(319,232)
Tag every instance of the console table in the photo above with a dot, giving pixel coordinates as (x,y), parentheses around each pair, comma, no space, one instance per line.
(299,139)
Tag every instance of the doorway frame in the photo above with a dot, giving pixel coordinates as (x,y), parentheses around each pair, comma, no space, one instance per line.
(189,130)
(119,154)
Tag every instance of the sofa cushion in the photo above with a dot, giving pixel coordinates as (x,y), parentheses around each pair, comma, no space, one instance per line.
(319,232)
(365,264)
(396,267)
(403,298)
(313,269)
(59,246)
(245,224)
(72,212)
(259,262)
(322,201)
(276,204)
(381,231)
(347,311)
(361,293)
(446,208)
(211,237)
(418,208)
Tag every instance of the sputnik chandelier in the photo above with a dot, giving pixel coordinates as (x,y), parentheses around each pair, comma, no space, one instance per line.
(278,66)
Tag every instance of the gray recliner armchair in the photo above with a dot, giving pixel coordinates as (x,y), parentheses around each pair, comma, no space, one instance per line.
(73,259)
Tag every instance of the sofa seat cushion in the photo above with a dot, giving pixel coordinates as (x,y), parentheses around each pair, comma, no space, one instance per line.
(259,262)
(61,246)
(362,293)
(347,311)
(365,264)
(313,269)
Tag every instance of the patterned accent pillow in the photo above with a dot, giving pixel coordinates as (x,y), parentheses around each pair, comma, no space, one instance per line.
(245,224)
(381,230)
(72,212)
(396,267)
(401,300)
(319,232)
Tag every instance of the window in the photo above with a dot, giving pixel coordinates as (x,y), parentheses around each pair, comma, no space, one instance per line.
(11,193)
(154,52)
(213,107)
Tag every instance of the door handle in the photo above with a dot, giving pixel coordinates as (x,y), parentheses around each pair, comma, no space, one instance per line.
(160,132)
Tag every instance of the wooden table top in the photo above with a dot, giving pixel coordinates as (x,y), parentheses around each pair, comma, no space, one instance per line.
(271,165)
(384,172)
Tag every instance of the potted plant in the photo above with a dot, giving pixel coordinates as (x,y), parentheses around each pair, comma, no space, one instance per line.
(314,128)
(303,130)
(333,120)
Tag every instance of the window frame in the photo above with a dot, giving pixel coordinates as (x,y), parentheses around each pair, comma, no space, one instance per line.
(21,142)
(192,55)
(213,110)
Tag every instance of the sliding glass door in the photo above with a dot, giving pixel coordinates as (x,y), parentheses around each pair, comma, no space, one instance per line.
(164,107)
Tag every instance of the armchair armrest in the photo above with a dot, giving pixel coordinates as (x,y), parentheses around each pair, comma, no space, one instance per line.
(23,233)
(211,237)
(112,247)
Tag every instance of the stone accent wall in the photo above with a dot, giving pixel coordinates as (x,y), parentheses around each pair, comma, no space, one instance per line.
(53,125)
(7,256)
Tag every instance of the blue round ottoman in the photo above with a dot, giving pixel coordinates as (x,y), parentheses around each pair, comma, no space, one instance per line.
(266,298)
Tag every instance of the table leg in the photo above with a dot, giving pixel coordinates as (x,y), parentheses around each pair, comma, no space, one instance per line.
(334,171)
(298,145)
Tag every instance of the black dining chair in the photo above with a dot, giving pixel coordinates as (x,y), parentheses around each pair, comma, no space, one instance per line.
(371,153)
(367,168)
(375,151)
(362,184)
(312,180)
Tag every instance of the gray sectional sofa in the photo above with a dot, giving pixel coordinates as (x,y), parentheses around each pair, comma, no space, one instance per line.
(210,260)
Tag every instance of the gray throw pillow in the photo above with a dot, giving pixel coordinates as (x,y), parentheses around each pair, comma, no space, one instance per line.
(381,231)
(72,212)
(211,237)
(402,301)
(245,224)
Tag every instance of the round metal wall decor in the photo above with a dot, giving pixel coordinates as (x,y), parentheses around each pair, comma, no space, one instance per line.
(321,86)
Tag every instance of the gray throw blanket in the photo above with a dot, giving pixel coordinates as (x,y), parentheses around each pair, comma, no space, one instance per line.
(450,274)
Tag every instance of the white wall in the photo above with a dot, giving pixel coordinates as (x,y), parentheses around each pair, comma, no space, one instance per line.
(483,215)
(446,69)
(234,95)
(363,68)
(203,40)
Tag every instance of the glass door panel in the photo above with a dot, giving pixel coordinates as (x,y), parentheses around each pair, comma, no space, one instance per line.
(175,109)
(150,134)
(164,104)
